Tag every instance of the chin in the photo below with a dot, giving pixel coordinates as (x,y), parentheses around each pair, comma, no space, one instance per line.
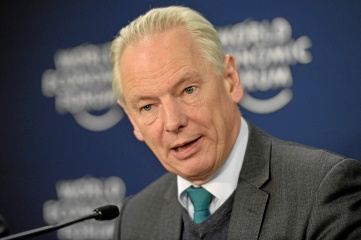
(196,175)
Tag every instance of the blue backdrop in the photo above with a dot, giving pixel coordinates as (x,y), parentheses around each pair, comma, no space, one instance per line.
(47,142)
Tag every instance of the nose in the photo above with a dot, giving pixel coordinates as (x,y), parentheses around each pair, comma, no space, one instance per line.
(174,117)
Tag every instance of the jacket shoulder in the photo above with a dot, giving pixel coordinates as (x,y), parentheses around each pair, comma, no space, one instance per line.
(143,209)
(165,186)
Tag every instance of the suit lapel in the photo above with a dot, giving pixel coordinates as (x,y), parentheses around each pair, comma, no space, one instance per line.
(171,213)
(248,210)
(250,201)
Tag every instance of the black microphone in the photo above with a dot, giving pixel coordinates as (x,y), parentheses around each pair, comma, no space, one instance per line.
(107,212)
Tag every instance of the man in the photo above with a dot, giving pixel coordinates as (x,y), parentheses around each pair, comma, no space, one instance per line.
(180,92)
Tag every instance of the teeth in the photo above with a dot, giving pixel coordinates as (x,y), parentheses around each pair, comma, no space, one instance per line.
(178,149)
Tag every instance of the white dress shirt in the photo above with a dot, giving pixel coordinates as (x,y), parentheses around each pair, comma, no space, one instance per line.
(224,182)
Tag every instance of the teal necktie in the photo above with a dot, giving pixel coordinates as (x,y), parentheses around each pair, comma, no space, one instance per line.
(201,199)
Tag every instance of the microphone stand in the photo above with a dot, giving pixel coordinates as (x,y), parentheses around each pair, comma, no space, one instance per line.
(102,213)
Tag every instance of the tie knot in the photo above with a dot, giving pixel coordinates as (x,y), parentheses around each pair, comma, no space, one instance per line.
(200,199)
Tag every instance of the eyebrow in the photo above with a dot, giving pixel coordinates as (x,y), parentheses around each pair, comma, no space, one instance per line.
(189,76)
(134,101)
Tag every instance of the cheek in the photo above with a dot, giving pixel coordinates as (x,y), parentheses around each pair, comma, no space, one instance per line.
(153,136)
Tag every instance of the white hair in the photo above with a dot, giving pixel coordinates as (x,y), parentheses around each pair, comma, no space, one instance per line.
(162,19)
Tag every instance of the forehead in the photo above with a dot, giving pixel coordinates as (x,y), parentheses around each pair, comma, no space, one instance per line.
(158,50)
(155,60)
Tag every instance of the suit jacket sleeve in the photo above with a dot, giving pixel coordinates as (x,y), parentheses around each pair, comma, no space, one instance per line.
(336,212)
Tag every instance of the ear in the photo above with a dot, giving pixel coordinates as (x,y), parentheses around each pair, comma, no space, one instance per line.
(231,76)
(136,130)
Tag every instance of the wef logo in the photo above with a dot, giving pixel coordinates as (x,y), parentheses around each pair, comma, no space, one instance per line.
(264,51)
(81,85)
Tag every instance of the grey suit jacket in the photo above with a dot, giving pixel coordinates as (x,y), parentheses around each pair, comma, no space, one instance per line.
(285,191)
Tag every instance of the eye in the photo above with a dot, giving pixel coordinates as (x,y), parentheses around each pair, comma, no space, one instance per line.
(189,90)
(147,108)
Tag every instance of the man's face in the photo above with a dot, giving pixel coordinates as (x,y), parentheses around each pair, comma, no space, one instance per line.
(177,104)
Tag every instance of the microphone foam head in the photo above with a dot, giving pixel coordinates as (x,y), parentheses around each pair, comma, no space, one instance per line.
(107,212)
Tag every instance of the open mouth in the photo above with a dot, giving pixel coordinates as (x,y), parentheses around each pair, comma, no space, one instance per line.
(181,148)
